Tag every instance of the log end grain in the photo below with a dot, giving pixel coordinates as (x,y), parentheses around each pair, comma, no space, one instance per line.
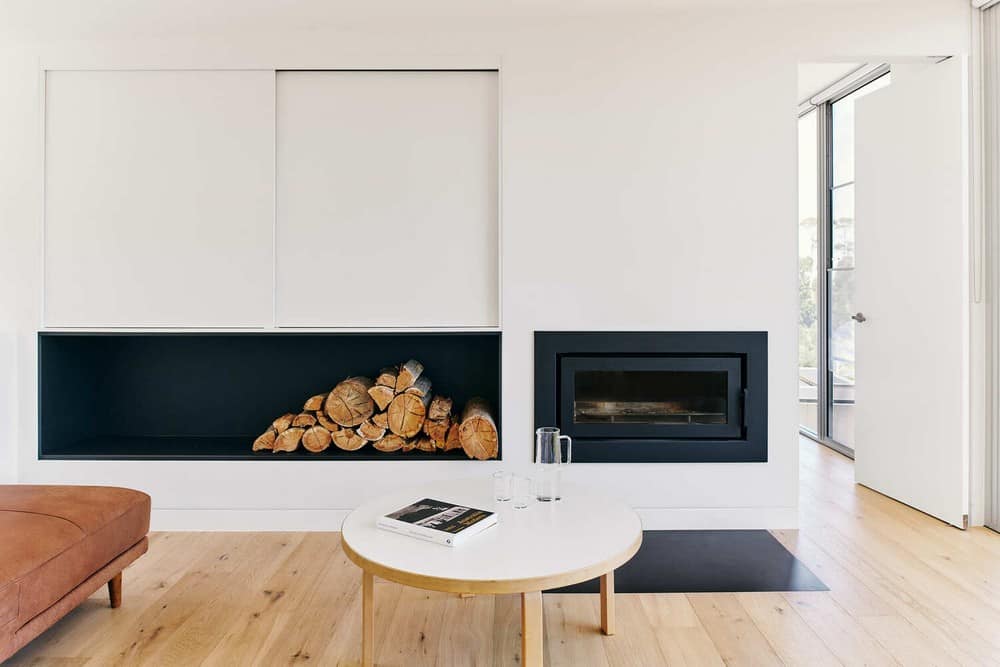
(265,441)
(316,439)
(288,441)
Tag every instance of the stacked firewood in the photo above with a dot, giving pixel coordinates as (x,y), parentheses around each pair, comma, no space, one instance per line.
(396,412)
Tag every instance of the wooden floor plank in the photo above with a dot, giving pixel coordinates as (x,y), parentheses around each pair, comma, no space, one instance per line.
(411,637)
(466,636)
(905,643)
(329,599)
(842,634)
(679,633)
(573,630)
(636,644)
(738,640)
(506,633)
(786,632)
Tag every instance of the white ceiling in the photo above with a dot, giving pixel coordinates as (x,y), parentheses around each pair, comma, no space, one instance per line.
(31,20)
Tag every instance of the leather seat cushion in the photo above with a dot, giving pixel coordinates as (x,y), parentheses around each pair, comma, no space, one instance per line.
(58,536)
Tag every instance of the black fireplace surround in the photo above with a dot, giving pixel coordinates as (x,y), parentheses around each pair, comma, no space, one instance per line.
(661,397)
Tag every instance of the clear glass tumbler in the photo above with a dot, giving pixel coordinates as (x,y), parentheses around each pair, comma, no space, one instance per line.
(502,486)
(522,492)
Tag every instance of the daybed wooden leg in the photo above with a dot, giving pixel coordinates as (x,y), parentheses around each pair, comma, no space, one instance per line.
(115,590)
(531,629)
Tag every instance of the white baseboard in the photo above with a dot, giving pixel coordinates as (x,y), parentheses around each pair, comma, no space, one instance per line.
(330,519)
(248,519)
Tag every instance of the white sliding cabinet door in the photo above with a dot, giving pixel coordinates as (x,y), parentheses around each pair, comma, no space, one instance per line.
(159,198)
(911,437)
(387,199)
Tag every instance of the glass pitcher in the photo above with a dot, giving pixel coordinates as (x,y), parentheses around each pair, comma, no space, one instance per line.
(549,461)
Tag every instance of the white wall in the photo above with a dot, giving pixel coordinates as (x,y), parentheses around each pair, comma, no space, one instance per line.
(648,182)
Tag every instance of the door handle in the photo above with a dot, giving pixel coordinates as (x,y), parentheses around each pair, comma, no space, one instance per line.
(859,317)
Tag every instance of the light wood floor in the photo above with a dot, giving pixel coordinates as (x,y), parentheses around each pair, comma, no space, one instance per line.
(905,589)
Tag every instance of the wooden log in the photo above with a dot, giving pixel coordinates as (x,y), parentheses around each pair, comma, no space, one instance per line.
(408,374)
(348,403)
(478,431)
(326,422)
(381,419)
(422,387)
(425,445)
(316,439)
(369,431)
(387,377)
(389,443)
(289,440)
(437,430)
(314,403)
(348,440)
(407,413)
(440,408)
(453,441)
(282,423)
(382,395)
(304,420)
(265,441)
(409,445)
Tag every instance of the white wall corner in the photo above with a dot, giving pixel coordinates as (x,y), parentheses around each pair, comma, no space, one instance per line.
(8,407)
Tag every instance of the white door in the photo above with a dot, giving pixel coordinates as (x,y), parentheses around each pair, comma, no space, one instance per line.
(911,172)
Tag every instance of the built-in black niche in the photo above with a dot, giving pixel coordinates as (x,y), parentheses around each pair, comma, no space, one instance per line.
(655,396)
(180,396)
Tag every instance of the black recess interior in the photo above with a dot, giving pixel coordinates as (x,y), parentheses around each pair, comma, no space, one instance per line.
(179,396)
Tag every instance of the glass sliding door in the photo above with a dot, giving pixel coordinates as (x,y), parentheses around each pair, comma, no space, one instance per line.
(827,312)
(840,273)
(808,272)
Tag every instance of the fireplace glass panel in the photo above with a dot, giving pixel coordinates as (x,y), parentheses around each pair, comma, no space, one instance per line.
(655,396)
(650,397)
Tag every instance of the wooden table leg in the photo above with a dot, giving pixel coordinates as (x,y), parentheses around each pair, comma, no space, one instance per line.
(367,619)
(531,629)
(608,603)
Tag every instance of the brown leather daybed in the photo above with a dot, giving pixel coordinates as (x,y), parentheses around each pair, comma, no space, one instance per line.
(59,544)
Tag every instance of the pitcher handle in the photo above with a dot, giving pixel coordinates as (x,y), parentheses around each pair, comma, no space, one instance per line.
(569,447)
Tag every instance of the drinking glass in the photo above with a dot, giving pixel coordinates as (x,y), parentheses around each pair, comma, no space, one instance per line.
(522,492)
(501,486)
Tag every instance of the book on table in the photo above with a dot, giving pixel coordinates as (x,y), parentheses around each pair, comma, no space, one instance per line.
(438,521)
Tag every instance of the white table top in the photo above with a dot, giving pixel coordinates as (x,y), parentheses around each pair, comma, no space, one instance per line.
(543,546)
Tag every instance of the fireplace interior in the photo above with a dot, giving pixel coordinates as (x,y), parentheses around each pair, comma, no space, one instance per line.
(649,397)
(185,396)
(655,396)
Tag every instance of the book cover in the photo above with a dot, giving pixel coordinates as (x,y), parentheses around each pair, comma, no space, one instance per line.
(438,521)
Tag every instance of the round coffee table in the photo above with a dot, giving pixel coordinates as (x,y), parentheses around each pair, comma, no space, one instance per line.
(546,545)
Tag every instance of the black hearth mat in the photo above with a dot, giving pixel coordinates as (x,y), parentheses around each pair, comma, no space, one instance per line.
(708,561)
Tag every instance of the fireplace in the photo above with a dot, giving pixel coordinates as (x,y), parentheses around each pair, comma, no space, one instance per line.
(655,396)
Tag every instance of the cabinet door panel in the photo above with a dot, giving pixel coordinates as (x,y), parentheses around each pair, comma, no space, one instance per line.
(387,199)
(159,198)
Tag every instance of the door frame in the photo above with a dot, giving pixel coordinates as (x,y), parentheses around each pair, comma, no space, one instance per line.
(823,107)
